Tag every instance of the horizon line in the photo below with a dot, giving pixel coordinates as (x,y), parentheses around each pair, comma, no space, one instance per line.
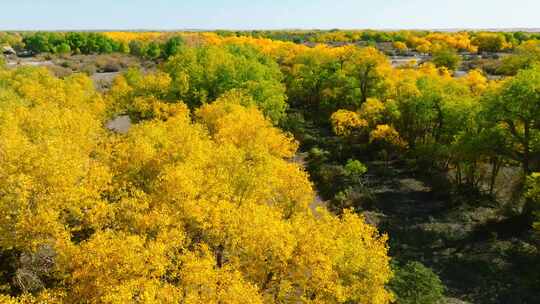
(435,29)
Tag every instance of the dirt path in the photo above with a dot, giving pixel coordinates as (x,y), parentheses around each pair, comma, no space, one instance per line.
(17,62)
(104,81)
(300,158)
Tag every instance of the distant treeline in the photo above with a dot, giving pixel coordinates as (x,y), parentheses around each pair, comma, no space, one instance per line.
(89,43)
(156,45)
(372,36)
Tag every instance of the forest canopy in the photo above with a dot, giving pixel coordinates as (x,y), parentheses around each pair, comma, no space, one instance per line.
(193,206)
(270,167)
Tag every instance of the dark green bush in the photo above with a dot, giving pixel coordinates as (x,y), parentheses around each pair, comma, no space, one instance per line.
(415,283)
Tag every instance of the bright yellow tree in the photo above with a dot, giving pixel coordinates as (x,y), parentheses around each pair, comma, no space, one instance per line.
(191,208)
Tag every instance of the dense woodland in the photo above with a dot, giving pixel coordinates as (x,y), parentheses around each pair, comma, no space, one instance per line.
(271,167)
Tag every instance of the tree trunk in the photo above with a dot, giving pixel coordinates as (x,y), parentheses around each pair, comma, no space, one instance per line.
(526,152)
(495,168)
(219,256)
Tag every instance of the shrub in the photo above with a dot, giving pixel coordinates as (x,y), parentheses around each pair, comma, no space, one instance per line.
(354,169)
(63,48)
(415,283)
(89,69)
(359,198)
(59,71)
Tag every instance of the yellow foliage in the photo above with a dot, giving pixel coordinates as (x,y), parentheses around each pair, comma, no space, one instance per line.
(275,49)
(344,122)
(176,210)
(476,81)
(141,95)
(151,107)
(387,134)
(426,44)
(46,140)
(400,46)
(116,268)
(230,122)
(372,111)
(331,242)
(203,283)
(130,36)
(45,297)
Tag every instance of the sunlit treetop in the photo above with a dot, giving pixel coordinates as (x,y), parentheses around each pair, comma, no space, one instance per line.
(195,207)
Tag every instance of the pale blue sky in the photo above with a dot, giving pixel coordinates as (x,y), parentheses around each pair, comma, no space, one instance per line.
(267,14)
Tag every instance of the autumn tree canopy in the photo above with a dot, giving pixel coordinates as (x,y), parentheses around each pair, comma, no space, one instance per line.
(199,206)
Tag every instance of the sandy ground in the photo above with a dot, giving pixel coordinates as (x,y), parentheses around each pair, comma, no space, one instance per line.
(120,124)
(15,62)
(103,81)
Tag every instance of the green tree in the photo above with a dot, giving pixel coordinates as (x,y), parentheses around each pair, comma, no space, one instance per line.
(446,57)
(525,56)
(533,194)
(153,51)
(137,48)
(317,83)
(516,107)
(123,48)
(367,66)
(63,48)
(489,42)
(37,43)
(172,46)
(202,74)
(76,41)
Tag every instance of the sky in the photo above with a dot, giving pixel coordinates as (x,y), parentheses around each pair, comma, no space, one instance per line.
(267,14)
